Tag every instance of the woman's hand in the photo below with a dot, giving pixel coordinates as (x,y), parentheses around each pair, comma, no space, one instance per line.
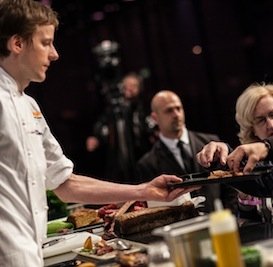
(213,151)
(253,152)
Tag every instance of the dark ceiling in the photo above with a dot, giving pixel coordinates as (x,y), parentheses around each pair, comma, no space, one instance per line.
(206,51)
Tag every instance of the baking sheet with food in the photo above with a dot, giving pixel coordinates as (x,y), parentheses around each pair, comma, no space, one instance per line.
(110,254)
(217,176)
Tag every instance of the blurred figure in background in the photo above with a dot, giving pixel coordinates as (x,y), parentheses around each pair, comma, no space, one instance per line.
(123,131)
(176,148)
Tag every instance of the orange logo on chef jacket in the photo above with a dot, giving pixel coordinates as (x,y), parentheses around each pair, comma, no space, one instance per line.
(37,114)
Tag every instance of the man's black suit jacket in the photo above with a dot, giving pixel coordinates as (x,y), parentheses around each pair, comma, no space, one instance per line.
(160,160)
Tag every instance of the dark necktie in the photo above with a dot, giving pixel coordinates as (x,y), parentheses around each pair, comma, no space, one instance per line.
(186,157)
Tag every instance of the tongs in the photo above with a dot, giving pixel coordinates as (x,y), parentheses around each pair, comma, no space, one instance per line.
(52,242)
(55,241)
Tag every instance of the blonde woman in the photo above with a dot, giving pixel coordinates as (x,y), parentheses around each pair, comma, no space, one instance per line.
(254,114)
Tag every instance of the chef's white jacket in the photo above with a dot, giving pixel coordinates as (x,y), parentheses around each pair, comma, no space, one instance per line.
(31,161)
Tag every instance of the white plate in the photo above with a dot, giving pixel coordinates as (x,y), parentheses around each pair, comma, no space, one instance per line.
(136,247)
(72,241)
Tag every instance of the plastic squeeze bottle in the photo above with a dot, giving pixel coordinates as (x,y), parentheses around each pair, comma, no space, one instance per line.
(225,237)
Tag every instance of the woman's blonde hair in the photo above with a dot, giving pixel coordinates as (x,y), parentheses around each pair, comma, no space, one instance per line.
(245,108)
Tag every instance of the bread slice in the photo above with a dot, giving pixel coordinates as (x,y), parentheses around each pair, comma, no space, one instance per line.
(83,217)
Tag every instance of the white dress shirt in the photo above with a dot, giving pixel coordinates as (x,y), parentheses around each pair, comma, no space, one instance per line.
(31,161)
(172,146)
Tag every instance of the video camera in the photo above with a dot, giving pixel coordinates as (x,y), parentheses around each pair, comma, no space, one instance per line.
(109,72)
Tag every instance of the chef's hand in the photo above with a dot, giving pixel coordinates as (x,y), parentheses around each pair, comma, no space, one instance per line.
(211,152)
(253,152)
(158,188)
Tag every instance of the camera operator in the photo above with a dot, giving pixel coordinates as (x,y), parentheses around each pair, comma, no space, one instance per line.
(122,131)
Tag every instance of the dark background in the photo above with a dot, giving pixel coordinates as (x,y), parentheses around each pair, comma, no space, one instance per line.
(162,38)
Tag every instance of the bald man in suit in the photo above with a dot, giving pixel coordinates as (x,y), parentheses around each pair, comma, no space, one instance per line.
(166,157)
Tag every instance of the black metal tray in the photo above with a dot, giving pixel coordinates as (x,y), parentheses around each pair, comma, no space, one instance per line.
(199,179)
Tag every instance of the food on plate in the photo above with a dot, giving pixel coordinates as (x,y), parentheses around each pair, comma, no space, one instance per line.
(112,210)
(149,218)
(100,248)
(221,174)
(83,217)
(135,217)
(109,212)
(88,244)
(58,226)
(136,259)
